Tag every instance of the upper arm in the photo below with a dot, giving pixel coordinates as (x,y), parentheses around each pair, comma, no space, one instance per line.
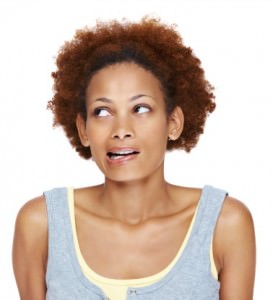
(235,244)
(30,250)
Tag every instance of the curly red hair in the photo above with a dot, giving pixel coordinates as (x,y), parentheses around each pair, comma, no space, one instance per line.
(155,46)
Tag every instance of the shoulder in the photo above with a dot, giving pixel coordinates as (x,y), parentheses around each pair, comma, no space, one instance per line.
(234,232)
(234,250)
(31,223)
(234,215)
(29,254)
(33,212)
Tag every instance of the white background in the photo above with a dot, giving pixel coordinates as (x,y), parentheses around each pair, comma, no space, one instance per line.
(234,41)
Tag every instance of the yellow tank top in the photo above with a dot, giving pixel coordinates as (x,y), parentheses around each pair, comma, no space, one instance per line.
(116,289)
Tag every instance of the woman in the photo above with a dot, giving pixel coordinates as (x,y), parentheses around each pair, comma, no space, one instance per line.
(124,93)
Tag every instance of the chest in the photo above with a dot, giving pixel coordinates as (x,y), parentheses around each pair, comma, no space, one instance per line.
(128,252)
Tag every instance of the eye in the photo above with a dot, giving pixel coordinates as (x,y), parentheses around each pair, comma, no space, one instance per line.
(140,109)
(101,112)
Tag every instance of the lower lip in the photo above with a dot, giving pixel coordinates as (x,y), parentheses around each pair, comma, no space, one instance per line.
(121,159)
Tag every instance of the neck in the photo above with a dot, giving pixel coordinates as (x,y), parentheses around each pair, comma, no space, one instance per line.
(136,201)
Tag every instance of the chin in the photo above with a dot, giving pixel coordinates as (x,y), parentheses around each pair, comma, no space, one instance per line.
(133,173)
(125,178)
(131,176)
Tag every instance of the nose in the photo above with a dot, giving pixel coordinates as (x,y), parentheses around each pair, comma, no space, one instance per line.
(122,129)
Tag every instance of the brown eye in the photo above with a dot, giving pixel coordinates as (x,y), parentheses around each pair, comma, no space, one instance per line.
(141,109)
(101,112)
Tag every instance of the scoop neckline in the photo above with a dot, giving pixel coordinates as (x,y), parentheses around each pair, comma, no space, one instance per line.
(143,281)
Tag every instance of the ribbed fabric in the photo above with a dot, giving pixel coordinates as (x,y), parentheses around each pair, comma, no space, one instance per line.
(189,279)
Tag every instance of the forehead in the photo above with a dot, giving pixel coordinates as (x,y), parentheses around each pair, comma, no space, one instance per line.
(123,79)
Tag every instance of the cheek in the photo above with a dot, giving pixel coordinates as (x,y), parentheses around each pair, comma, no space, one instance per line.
(154,133)
(96,136)
(156,127)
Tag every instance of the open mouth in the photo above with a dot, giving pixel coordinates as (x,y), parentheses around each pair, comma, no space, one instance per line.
(121,154)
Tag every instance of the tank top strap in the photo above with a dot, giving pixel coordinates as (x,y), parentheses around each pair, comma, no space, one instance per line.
(58,227)
(64,278)
(56,213)
(210,205)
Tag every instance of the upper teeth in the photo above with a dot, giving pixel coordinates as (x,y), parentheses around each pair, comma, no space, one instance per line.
(123,152)
(119,153)
(116,155)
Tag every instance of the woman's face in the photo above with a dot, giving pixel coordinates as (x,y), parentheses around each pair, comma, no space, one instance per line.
(127,126)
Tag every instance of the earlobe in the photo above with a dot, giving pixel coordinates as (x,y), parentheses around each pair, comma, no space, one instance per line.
(81,126)
(176,123)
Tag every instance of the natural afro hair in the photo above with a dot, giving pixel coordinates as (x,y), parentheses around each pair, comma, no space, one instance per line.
(153,45)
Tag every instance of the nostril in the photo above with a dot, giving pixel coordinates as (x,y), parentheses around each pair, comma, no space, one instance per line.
(122,136)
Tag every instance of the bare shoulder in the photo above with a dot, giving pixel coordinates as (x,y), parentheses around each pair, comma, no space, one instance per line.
(29,253)
(235,215)
(235,250)
(33,213)
(31,227)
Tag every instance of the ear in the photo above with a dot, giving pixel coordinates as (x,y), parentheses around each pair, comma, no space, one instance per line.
(81,126)
(176,123)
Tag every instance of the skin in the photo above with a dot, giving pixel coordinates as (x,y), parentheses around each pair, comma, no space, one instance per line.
(135,204)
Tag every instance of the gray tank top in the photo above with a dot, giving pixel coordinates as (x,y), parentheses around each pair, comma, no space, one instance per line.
(189,279)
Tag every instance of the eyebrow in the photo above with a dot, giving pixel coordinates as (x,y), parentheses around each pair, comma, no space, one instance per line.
(106,100)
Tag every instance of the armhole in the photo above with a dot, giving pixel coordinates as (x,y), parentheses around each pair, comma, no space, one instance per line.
(213,268)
